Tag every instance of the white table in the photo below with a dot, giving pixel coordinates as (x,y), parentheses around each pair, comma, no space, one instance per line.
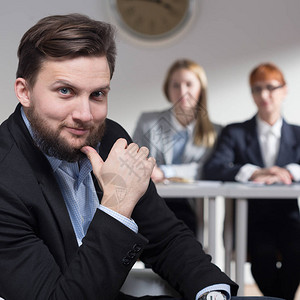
(198,190)
(232,190)
(242,192)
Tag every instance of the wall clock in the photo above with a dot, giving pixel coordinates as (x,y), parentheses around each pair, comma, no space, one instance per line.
(153,20)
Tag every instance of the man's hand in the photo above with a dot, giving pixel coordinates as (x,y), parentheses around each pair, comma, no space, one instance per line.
(272,175)
(124,176)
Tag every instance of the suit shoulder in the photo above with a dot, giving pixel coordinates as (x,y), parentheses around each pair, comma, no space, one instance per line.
(237,126)
(6,141)
(154,115)
(114,131)
(217,127)
(296,131)
(295,127)
(239,129)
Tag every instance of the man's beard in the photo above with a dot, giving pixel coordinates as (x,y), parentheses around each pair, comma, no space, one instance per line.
(50,142)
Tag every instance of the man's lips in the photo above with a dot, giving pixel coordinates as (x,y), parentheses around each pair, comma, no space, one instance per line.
(78,131)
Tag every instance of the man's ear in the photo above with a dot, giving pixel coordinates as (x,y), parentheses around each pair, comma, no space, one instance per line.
(22,92)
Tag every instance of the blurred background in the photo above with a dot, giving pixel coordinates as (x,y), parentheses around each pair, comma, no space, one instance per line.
(228,38)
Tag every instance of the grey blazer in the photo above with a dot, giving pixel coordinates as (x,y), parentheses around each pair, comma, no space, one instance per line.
(155,130)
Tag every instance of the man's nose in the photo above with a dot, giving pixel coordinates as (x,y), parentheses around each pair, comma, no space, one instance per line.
(82,111)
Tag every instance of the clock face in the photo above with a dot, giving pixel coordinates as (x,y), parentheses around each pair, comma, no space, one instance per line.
(153,18)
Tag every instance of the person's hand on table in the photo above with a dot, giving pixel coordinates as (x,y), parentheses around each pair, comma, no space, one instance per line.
(272,175)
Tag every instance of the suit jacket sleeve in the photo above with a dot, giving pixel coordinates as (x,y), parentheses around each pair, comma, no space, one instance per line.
(173,252)
(29,270)
(224,162)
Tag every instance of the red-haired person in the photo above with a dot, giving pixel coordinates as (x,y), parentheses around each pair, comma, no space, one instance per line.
(266,149)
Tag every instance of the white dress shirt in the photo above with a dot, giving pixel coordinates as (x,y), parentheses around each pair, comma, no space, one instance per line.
(269,140)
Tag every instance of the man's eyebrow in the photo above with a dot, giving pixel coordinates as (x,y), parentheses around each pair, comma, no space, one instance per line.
(69,84)
(106,87)
(62,82)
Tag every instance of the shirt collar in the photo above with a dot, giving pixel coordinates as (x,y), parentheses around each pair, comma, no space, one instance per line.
(178,127)
(264,128)
(27,123)
(78,171)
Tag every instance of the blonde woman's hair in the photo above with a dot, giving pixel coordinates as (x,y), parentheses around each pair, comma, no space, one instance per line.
(204,133)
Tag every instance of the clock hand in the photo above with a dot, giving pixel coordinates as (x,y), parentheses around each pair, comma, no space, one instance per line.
(160,2)
(167,6)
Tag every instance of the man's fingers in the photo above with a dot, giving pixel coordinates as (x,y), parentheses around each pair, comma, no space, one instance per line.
(119,144)
(144,150)
(152,160)
(93,157)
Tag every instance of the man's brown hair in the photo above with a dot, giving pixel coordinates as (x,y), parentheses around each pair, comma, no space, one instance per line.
(64,36)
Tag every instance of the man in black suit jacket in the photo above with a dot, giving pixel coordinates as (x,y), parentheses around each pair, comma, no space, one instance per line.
(66,233)
(243,153)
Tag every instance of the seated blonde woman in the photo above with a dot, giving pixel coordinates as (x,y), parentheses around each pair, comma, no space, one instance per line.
(181,137)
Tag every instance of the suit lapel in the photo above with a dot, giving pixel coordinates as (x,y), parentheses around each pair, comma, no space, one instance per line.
(54,198)
(287,145)
(253,152)
(44,175)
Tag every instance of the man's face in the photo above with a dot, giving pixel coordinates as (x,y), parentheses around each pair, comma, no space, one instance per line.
(67,105)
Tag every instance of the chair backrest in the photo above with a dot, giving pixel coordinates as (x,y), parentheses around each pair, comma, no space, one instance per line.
(141,282)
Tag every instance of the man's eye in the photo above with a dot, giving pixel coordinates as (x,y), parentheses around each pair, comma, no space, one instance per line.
(64,91)
(97,94)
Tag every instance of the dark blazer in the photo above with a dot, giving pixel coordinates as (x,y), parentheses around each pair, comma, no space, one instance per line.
(238,145)
(39,254)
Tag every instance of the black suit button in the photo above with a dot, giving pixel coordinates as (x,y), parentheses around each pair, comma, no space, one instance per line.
(137,248)
(131,254)
(126,261)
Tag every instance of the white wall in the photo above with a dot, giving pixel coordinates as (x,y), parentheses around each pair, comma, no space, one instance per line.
(228,38)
